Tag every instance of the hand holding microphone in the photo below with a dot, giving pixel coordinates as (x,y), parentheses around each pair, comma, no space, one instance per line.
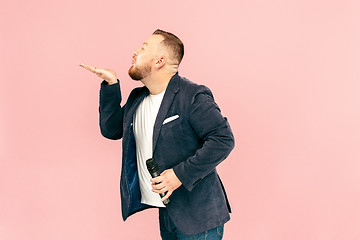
(155,172)
(164,183)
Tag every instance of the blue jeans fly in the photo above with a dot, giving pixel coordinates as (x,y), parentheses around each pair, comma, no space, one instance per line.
(168,230)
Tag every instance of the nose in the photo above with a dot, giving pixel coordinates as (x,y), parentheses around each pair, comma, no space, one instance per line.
(136,51)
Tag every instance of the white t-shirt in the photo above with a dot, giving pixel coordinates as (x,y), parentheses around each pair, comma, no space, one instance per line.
(143,125)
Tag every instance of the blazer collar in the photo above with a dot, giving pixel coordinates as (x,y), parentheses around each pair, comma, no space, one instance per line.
(173,83)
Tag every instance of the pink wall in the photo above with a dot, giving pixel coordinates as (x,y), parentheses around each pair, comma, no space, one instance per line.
(285,73)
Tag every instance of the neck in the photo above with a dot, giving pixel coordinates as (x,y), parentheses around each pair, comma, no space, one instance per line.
(157,82)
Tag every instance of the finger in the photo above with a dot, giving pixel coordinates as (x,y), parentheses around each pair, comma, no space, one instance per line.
(156,179)
(87,67)
(158,186)
(90,68)
(166,196)
(160,191)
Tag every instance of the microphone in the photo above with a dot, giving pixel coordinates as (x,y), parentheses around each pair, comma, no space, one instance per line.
(154,171)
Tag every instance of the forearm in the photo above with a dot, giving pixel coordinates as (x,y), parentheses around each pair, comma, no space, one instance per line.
(110,111)
(214,150)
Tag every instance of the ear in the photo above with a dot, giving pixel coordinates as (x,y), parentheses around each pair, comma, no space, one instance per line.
(160,62)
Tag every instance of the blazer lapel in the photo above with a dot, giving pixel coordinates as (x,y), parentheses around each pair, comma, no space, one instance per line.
(170,92)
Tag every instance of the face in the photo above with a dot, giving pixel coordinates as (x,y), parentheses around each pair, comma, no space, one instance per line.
(144,57)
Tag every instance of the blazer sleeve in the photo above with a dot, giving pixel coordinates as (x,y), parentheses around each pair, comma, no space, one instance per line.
(110,111)
(218,139)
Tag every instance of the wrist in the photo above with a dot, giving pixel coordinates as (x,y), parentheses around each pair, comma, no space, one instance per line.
(112,82)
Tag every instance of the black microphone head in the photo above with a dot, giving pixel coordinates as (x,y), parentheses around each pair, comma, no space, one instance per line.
(152,165)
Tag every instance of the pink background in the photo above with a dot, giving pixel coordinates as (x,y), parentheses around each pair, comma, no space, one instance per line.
(285,73)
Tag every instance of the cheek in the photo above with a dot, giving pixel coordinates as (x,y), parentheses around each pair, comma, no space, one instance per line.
(142,59)
(139,60)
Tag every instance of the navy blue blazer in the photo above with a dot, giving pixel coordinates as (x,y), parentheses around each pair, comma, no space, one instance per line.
(193,144)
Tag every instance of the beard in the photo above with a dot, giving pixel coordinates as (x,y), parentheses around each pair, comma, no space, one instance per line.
(138,73)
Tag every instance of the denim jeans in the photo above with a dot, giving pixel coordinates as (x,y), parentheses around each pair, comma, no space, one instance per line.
(168,230)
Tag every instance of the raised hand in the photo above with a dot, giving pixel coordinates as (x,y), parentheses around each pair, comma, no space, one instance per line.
(106,74)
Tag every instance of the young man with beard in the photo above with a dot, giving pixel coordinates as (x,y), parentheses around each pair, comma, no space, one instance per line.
(177,123)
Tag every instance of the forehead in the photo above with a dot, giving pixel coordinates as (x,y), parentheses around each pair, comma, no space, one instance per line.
(153,40)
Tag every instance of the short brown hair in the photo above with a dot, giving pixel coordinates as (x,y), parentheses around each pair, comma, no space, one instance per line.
(172,42)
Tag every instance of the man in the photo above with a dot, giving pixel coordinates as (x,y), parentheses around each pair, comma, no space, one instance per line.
(177,123)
